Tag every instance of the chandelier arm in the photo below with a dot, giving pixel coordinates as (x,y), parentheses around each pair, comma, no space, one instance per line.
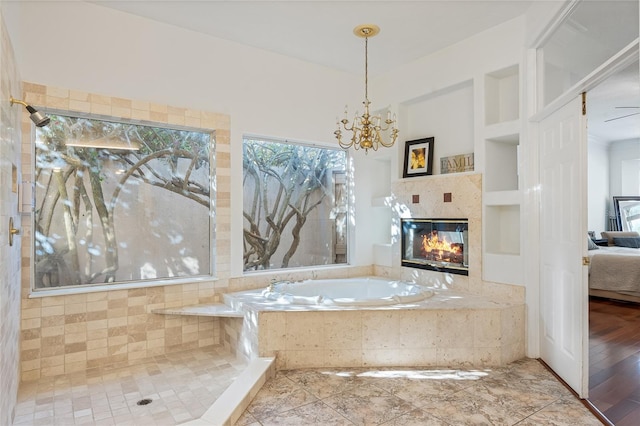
(394,136)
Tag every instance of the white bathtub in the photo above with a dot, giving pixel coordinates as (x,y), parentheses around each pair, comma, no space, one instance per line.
(366,291)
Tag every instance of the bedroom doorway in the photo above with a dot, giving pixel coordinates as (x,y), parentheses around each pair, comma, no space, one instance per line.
(565,67)
(614,323)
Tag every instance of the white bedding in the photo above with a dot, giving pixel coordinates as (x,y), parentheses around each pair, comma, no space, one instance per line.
(615,269)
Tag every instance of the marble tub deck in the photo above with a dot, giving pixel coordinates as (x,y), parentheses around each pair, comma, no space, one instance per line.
(522,393)
(447,329)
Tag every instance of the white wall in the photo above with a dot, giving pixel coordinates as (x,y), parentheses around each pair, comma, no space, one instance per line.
(446,115)
(624,169)
(82,46)
(437,86)
(598,187)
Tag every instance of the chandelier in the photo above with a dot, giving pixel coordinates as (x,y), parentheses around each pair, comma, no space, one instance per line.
(366,129)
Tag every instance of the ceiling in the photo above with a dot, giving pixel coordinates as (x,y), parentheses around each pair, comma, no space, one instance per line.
(321,32)
(617,96)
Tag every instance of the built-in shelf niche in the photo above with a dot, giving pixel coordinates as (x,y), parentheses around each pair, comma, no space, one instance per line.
(502,229)
(501,156)
(502,95)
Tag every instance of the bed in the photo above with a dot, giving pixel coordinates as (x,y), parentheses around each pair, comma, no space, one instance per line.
(614,271)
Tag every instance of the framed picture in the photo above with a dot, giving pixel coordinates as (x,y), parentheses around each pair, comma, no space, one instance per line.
(418,157)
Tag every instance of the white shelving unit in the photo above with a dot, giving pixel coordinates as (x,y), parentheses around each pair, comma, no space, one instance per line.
(502,194)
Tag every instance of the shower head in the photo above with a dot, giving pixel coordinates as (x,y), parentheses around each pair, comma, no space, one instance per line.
(39,119)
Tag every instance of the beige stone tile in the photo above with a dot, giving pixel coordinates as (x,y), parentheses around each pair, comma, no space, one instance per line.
(94,344)
(418,329)
(454,330)
(56,92)
(342,330)
(138,114)
(75,348)
(96,325)
(53,331)
(53,310)
(30,365)
(79,106)
(53,320)
(27,324)
(117,303)
(31,313)
(30,344)
(176,119)
(75,308)
(52,361)
(121,112)
(487,356)
(487,328)
(160,117)
(302,331)
(380,329)
(455,357)
(79,95)
(70,338)
(100,99)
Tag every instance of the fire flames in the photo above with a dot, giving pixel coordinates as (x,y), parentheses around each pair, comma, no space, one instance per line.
(439,249)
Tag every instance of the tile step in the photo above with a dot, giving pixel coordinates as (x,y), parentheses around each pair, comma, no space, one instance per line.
(209,310)
(231,404)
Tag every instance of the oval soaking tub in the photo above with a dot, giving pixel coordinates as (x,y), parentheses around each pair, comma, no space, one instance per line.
(366,291)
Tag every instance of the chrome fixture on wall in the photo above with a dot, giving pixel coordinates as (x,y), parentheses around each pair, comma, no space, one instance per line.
(366,128)
(12,231)
(37,117)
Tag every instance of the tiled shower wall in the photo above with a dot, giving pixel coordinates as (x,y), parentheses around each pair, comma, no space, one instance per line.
(62,334)
(9,256)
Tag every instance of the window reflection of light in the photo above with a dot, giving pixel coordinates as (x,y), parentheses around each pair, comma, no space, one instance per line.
(415,374)
(192,264)
(148,271)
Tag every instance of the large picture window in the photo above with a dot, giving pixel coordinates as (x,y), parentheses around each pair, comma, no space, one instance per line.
(121,202)
(295,205)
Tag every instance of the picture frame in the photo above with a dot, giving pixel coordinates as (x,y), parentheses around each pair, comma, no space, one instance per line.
(418,157)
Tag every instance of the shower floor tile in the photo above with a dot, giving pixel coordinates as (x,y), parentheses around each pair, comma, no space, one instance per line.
(181,387)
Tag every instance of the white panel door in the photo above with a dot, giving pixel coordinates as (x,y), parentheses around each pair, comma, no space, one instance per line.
(563,234)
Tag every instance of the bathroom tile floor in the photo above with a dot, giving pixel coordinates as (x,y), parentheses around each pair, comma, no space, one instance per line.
(522,393)
(182,386)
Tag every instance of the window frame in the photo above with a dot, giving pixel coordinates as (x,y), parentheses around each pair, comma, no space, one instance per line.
(211,275)
(349,194)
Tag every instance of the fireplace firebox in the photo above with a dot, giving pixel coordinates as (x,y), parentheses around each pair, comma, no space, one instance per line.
(436,244)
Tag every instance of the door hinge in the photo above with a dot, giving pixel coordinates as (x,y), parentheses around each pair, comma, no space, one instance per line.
(584,103)
(586,261)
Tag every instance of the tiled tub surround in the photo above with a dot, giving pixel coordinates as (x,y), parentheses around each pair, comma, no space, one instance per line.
(448,329)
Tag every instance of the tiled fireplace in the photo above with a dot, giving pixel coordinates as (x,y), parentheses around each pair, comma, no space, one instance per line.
(436,244)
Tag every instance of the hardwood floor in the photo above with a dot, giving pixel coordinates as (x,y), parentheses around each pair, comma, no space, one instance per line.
(614,360)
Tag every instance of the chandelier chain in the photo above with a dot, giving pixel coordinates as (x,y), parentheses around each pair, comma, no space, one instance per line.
(366,69)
